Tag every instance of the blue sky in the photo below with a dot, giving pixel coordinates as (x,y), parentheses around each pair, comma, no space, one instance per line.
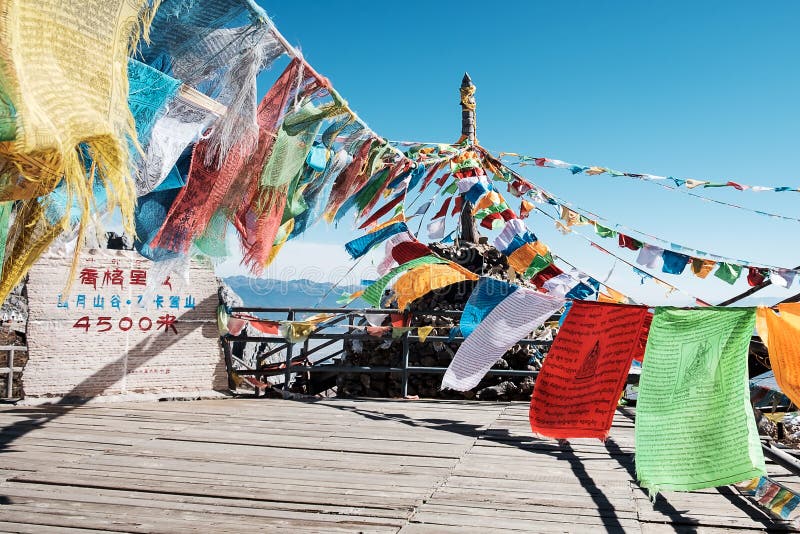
(686,89)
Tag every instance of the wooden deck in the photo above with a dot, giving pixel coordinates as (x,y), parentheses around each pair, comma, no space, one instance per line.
(257,465)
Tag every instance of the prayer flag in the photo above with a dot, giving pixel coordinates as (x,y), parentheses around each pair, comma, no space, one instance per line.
(511,320)
(756,275)
(694,424)
(701,268)
(436,229)
(360,246)
(585,370)
(780,332)
(729,272)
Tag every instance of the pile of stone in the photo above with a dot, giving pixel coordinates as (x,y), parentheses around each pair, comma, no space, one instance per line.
(432,310)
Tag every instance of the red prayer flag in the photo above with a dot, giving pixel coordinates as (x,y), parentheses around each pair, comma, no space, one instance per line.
(443,210)
(266,327)
(627,241)
(584,372)
(546,274)
(400,319)
(639,355)
(430,176)
(457,205)
(383,210)
(442,179)
(755,276)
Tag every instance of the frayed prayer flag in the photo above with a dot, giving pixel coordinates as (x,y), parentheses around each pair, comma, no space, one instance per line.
(585,370)
(694,376)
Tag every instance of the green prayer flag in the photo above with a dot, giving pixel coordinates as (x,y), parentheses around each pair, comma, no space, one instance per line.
(452,188)
(373,188)
(602,231)
(485,212)
(694,423)
(539,264)
(728,271)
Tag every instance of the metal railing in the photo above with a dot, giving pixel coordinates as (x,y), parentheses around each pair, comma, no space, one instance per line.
(298,358)
(9,370)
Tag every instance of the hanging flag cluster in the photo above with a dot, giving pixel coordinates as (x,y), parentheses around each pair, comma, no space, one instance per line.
(175,137)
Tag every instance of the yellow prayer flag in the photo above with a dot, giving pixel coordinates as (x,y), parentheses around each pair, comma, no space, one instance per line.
(423,332)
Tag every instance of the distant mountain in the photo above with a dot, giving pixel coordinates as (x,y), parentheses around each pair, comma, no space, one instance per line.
(270,293)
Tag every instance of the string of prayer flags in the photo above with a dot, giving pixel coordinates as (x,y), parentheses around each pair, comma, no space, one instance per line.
(648,253)
(511,320)
(577,390)
(595,170)
(771,496)
(488,293)
(694,423)
(780,332)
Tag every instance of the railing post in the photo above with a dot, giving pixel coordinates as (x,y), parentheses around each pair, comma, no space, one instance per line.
(226,350)
(10,382)
(289,346)
(405,364)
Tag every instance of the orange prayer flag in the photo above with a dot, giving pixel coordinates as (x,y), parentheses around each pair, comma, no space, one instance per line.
(525,208)
(780,333)
(701,268)
(522,258)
